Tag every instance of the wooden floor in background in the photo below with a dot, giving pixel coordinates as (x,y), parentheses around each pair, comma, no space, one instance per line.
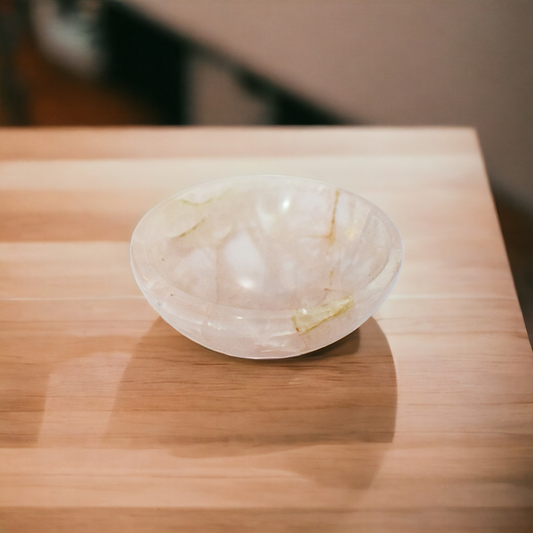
(55,97)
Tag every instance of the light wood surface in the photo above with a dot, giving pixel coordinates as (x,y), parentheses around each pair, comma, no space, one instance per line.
(422,420)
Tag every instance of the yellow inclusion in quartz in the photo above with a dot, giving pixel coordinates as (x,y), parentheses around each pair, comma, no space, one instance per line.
(306,319)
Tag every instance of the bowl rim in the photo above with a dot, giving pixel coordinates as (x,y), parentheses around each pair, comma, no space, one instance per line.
(145,268)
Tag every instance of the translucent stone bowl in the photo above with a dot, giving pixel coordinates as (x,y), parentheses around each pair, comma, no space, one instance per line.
(266,267)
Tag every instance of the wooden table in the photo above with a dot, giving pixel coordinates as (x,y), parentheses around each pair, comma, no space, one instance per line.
(422,420)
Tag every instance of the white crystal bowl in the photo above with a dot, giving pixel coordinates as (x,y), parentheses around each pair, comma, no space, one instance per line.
(266,267)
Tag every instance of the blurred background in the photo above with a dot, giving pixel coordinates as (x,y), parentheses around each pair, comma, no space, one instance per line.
(287,62)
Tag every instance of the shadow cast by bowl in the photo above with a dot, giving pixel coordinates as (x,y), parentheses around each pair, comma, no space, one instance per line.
(329,414)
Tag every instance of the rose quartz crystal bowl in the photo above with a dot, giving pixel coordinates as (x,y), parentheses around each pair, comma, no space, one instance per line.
(266,267)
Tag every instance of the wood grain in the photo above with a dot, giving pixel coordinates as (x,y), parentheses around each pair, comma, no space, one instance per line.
(422,420)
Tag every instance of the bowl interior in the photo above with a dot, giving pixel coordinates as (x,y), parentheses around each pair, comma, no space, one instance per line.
(269,243)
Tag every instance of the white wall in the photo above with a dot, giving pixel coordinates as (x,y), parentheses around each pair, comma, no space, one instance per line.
(390,62)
